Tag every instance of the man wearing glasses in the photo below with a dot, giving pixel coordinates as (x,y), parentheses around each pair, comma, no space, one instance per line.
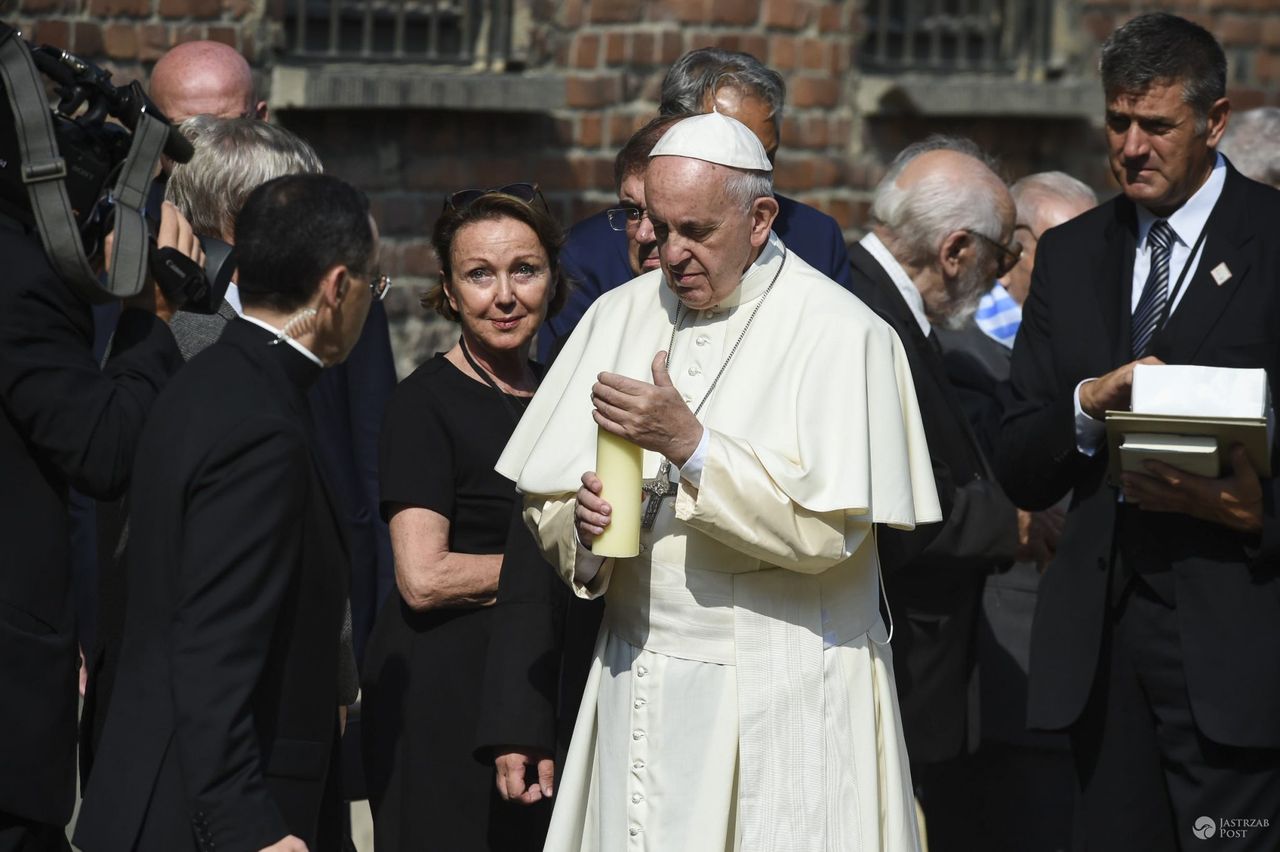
(944,228)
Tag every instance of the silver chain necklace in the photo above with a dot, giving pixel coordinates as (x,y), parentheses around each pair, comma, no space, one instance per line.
(661,486)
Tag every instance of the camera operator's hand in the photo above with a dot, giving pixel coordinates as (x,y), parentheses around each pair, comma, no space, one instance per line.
(175,232)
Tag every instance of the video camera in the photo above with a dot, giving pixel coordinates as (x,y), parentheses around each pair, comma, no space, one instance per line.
(76,177)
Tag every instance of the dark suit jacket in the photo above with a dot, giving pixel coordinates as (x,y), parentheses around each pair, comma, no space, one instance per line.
(63,421)
(979,371)
(594,258)
(934,574)
(1076,325)
(220,730)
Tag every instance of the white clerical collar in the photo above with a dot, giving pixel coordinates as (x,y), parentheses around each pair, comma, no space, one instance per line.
(758,275)
(1190,219)
(899,277)
(311,356)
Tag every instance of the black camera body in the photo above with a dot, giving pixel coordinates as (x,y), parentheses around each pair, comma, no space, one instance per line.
(93,151)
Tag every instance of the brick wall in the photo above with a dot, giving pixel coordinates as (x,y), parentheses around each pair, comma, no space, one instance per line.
(610,56)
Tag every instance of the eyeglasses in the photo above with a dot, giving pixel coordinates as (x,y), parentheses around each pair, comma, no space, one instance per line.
(624,218)
(464,198)
(379,285)
(1009,255)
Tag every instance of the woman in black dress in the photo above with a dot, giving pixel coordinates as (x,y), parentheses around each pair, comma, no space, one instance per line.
(450,515)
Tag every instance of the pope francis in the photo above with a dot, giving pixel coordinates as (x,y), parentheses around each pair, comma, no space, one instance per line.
(742,694)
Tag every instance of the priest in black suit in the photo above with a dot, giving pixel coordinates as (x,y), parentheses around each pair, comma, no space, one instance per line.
(944,220)
(1155,643)
(221,731)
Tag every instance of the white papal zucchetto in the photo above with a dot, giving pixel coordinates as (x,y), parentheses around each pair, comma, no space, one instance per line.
(715,138)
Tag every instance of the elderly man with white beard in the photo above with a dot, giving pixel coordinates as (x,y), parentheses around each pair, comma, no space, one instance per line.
(943,231)
(741,695)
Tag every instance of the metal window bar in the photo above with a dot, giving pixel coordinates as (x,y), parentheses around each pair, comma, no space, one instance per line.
(461,32)
(1011,37)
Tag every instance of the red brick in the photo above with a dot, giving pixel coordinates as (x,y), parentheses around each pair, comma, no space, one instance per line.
(592,91)
(86,38)
(841,57)
(786,14)
(590,130)
(586,50)
(1267,67)
(226,35)
(782,52)
(790,127)
(615,49)
(120,41)
(672,47)
(188,32)
(621,126)
(1234,30)
(554,174)
(1098,25)
(831,18)
(642,48)
(792,174)
(118,8)
(826,173)
(813,92)
(241,9)
(571,14)
(153,41)
(47,7)
(399,213)
(1242,99)
(813,54)
(688,11)
(737,12)
(191,8)
(614,11)
(416,259)
(756,45)
(1271,31)
(816,131)
(52,31)
(651,88)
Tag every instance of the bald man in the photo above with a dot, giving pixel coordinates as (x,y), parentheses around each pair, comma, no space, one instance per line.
(944,225)
(205,78)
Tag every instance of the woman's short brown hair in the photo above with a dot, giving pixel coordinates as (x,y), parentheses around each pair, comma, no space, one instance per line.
(488,207)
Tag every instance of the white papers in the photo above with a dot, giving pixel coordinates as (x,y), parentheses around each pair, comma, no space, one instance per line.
(1191,391)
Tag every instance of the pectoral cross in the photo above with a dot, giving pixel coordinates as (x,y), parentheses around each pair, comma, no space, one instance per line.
(659,488)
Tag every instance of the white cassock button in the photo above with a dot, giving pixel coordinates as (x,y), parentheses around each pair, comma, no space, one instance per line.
(695,370)
(639,703)
(702,340)
(639,764)
(641,671)
(710,315)
(635,829)
(637,734)
(636,798)
(688,398)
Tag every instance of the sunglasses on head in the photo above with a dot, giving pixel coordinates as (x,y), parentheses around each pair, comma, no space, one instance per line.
(464,198)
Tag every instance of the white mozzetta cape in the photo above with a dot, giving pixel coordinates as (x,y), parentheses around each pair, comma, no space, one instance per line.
(747,631)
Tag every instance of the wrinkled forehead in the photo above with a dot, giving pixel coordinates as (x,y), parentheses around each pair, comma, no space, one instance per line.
(686,183)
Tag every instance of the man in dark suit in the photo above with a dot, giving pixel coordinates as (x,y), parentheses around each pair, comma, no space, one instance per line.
(944,220)
(1025,776)
(598,258)
(221,730)
(1155,642)
(63,422)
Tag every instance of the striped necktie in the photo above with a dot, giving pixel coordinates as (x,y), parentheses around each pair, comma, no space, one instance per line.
(1150,310)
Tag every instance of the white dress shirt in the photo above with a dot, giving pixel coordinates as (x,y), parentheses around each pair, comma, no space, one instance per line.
(1187,222)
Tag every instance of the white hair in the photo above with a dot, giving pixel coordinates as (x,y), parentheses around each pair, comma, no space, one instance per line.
(937,204)
(233,157)
(1252,144)
(744,186)
(1033,190)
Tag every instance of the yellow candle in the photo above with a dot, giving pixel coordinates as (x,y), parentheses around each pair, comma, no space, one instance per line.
(618,466)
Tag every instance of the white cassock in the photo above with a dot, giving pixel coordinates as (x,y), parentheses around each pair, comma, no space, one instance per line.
(742,692)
